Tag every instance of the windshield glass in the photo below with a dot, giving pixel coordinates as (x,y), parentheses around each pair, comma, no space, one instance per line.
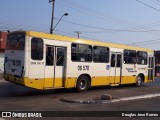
(15,41)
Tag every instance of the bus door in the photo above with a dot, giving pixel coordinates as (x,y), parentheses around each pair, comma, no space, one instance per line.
(151,68)
(55,66)
(116,68)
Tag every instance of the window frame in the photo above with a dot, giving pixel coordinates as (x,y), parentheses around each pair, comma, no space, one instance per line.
(50,58)
(60,63)
(19,43)
(135,57)
(106,55)
(77,52)
(142,57)
(42,49)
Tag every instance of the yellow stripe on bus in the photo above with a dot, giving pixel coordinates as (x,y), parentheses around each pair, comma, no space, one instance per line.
(83,41)
(70,82)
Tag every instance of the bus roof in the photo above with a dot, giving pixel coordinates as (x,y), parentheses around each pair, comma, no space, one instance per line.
(84,41)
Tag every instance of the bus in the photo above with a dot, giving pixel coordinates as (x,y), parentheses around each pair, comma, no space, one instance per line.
(157,63)
(49,61)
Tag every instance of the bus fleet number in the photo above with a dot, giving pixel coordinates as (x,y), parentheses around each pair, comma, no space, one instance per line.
(82,67)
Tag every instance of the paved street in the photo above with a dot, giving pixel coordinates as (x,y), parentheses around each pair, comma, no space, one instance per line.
(18,98)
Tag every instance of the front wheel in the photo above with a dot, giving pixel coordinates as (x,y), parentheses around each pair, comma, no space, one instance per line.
(139,81)
(82,83)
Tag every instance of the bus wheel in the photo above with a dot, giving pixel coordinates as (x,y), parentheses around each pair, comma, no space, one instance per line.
(139,81)
(82,83)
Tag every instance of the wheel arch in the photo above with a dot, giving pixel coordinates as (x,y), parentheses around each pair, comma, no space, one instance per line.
(85,74)
(142,75)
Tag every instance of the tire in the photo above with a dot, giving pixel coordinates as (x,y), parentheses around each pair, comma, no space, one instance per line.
(82,84)
(139,81)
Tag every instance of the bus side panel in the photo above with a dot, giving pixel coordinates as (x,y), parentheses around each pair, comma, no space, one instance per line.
(36,70)
(143,70)
(129,73)
(98,72)
(26,61)
(71,71)
(55,75)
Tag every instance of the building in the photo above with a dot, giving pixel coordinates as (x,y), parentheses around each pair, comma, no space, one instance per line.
(3,38)
(157,63)
(157,57)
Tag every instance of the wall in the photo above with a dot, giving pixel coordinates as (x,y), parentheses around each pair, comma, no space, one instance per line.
(3,38)
(1,62)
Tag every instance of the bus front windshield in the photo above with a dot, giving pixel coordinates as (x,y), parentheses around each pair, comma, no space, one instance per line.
(15,41)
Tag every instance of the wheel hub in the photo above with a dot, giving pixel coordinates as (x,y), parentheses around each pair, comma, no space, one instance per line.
(82,84)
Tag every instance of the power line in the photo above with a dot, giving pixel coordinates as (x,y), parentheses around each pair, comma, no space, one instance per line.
(114,30)
(145,42)
(119,30)
(137,43)
(4,26)
(13,27)
(103,16)
(99,15)
(113,19)
(155,2)
(148,5)
(105,29)
(85,37)
(150,43)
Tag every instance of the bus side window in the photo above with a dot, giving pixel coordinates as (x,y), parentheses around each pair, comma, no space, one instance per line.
(129,56)
(37,49)
(81,52)
(113,60)
(49,55)
(100,54)
(118,60)
(60,56)
(142,58)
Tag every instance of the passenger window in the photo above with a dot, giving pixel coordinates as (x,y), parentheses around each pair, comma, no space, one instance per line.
(81,52)
(37,49)
(118,60)
(113,60)
(60,56)
(100,54)
(49,56)
(142,58)
(129,57)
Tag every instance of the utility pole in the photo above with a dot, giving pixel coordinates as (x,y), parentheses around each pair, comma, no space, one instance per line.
(78,33)
(51,29)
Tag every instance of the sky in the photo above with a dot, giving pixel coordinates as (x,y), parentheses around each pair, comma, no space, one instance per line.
(131,22)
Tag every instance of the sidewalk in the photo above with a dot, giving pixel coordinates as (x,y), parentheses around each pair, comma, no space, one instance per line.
(2,80)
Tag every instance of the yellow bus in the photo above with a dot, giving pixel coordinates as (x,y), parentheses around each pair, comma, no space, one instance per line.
(45,61)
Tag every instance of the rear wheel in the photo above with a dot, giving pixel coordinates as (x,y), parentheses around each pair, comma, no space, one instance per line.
(82,83)
(139,81)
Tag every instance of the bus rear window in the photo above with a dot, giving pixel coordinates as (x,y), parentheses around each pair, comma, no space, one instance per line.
(15,41)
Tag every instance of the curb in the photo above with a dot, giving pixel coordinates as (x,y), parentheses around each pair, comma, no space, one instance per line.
(99,101)
(136,97)
(2,81)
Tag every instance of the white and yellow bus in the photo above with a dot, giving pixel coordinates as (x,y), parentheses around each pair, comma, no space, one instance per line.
(45,61)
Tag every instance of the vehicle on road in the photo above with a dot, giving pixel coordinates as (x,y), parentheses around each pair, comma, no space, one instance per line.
(157,63)
(45,61)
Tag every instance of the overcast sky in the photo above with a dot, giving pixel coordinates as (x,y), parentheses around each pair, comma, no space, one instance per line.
(135,22)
